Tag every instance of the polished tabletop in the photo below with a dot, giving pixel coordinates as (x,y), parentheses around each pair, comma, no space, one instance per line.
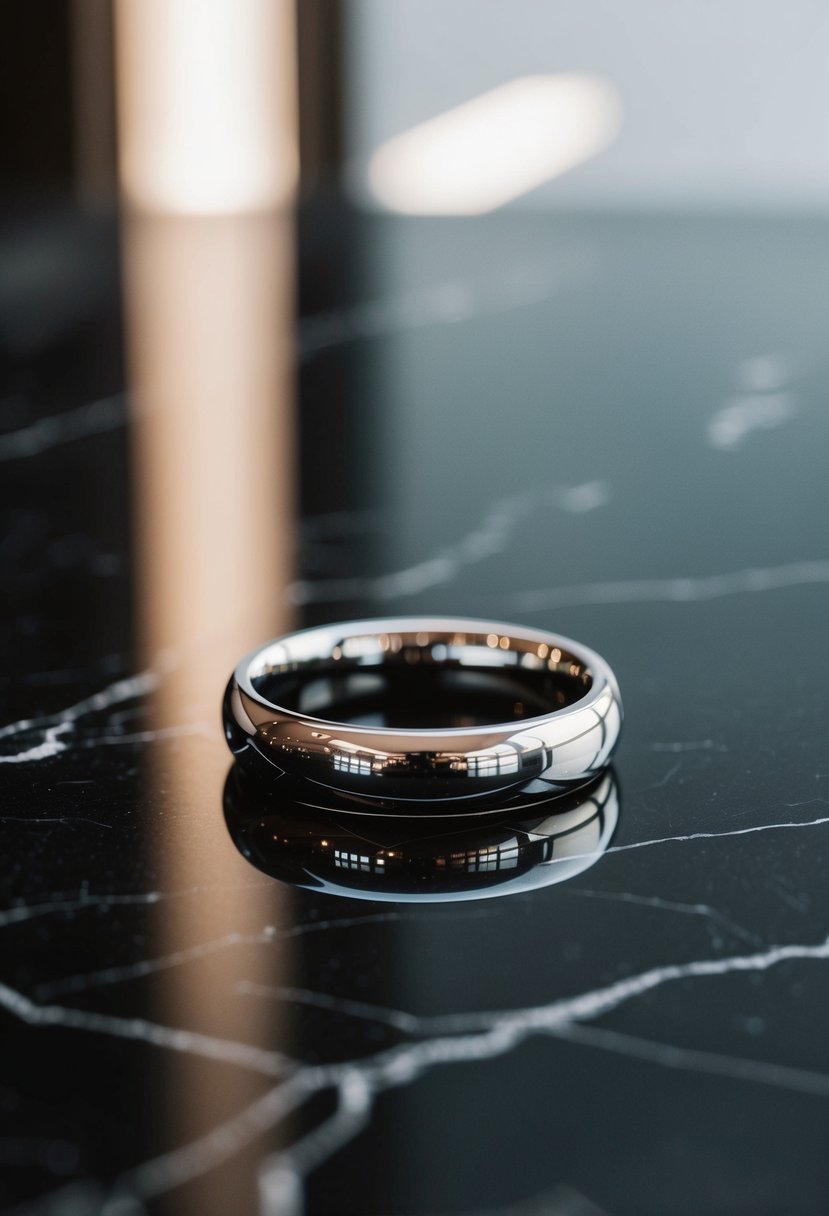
(216,1000)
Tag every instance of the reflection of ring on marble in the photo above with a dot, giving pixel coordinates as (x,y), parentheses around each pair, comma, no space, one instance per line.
(412,860)
(425,709)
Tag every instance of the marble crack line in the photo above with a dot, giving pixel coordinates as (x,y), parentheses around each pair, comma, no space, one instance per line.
(68,902)
(34,821)
(488,539)
(691,1059)
(13,915)
(464,1038)
(190,1042)
(672,772)
(181,1165)
(487,1036)
(694,745)
(184,730)
(85,900)
(447,301)
(759,827)
(54,727)
(281,1175)
(692,836)
(87,981)
(706,911)
(356,1083)
(674,590)
(130,971)
(468,1029)
(600,1001)
(398,1019)
(162,734)
(53,744)
(93,418)
(91,980)
(16,915)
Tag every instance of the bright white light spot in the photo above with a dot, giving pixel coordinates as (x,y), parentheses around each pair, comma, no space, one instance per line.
(497,146)
(741,415)
(763,374)
(206,104)
(588,496)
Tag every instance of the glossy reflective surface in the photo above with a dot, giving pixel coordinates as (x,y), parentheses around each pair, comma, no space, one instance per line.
(612,427)
(427,709)
(412,861)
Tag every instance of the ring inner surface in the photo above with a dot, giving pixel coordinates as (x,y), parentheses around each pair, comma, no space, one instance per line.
(418,681)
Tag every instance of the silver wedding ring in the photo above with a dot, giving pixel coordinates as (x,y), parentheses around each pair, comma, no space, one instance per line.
(397,712)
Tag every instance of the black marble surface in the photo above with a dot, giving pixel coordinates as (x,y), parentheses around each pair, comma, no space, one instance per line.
(614,427)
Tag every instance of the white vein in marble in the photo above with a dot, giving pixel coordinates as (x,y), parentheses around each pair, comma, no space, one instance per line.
(705,911)
(54,727)
(484,1036)
(443,1039)
(682,590)
(447,302)
(51,734)
(84,982)
(81,422)
(739,416)
(141,1030)
(668,1055)
(690,745)
(763,402)
(489,538)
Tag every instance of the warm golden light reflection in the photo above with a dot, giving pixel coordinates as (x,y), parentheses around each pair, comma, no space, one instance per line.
(209,324)
(209,334)
(206,95)
(206,126)
(496,147)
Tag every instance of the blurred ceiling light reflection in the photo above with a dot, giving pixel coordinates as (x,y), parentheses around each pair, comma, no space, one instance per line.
(496,147)
(206,97)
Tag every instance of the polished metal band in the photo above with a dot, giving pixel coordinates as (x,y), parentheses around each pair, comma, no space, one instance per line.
(540,754)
